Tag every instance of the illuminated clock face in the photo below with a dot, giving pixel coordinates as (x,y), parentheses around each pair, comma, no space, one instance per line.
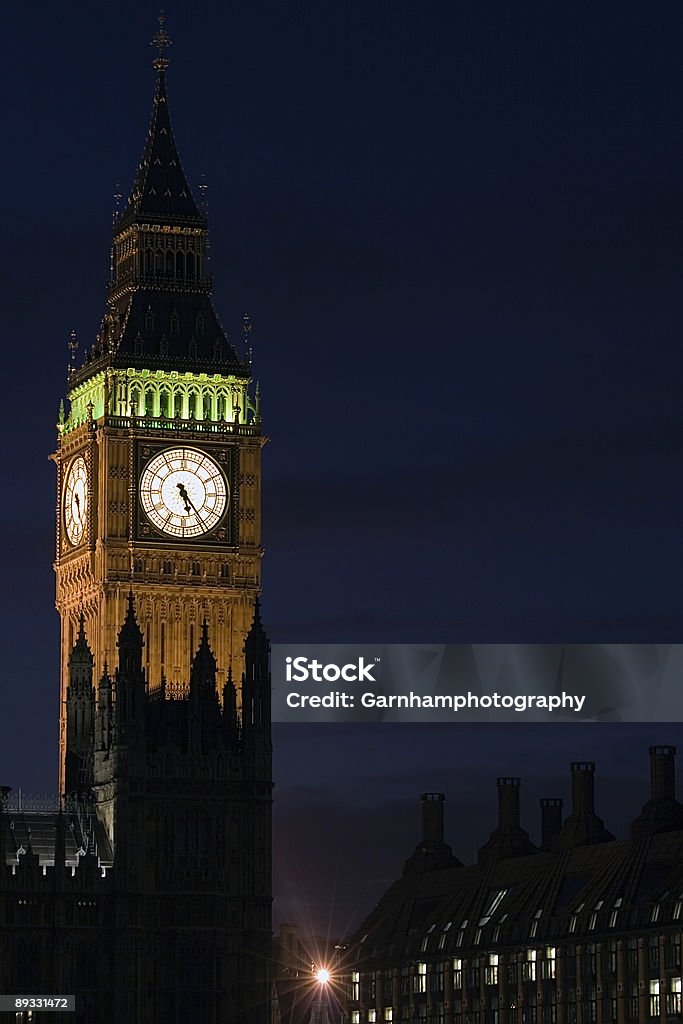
(76,500)
(183,492)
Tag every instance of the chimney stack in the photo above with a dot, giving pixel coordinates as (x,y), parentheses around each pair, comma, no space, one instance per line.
(508,802)
(551,820)
(583,827)
(662,812)
(583,796)
(508,840)
(432,817)
(431,852)
(662,773)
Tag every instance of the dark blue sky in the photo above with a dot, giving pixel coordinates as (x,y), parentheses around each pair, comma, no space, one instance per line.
(457,229)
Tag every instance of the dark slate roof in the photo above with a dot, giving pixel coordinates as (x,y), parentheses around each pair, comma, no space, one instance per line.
(131,338)
(34,833)
(160,190)
(584,881)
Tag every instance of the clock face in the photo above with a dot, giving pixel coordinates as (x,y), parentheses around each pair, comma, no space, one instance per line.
(183,492)
(76,500)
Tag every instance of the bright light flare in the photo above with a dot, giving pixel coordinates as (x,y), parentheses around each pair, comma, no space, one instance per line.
(322,975)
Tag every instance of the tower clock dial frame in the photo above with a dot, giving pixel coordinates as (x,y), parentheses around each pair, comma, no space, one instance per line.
(76,504)
(186,493)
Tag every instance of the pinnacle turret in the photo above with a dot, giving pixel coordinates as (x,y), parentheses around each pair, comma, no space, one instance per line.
(203,671)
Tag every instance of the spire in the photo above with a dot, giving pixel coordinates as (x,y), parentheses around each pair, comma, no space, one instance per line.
(203,671)
(81,658)
(130,634)
(160,191)
(256,641)
(159,313)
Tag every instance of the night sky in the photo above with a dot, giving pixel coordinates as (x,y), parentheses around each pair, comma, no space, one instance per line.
(457,229)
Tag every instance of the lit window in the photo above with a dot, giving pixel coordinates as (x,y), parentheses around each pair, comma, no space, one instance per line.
(422,977)
(677,910)
(461,933)
(654,998)
(477,937)
(457,973)
(444,934)
(388,1013)
(372,1016)
(654,914)
(355,986)
(355,1016)
(548,967)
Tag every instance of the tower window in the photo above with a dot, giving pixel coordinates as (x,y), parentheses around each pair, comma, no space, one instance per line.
(149,320)
(138,565)
(196,569)
(167,568)
(224,572)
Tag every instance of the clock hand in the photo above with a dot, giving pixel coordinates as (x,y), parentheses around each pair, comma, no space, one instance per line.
(78,506)
(187,501)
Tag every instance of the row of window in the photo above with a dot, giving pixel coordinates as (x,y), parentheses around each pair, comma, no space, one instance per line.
(531,965)
(167,568)
(581,918)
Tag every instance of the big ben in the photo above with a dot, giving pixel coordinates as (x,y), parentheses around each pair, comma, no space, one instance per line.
(158,456)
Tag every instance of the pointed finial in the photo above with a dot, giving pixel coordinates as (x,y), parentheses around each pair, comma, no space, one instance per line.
(246,331)
(73,349)
(162,41)
(81,625)
(204,190)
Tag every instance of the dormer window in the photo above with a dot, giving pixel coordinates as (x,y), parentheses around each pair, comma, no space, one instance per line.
(149,320)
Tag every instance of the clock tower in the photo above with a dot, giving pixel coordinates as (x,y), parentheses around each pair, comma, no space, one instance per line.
(158,455)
